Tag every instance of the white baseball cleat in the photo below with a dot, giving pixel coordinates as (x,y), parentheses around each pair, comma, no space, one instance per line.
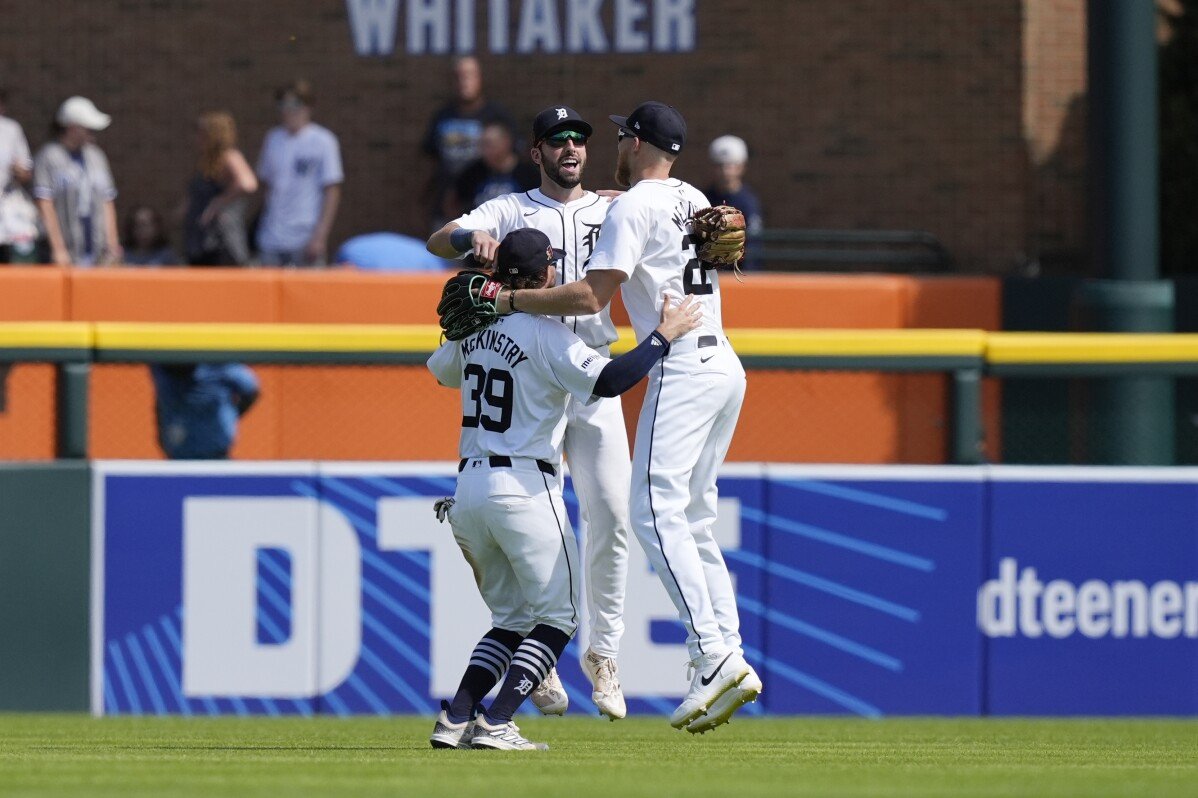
(724,707)
(447,734)
(550,696)
(605,686)
(502,737)
(714,675)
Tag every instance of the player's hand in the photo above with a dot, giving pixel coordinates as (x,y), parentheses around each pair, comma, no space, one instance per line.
(678,320)
(486,247)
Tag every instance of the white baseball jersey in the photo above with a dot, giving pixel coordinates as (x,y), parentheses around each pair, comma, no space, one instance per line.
(516,378)
(572,227)
(647,237)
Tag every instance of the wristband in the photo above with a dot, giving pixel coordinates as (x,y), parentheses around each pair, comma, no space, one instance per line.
(511,299)
(660,339)
(461,239)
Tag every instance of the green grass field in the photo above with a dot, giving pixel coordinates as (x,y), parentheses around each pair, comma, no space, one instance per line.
(57,755)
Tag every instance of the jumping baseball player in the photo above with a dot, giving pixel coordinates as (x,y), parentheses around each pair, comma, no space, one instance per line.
(517,374)
(648,249)
(596,443)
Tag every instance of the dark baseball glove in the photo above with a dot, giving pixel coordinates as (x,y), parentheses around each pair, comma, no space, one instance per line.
(467,304)
(719,235)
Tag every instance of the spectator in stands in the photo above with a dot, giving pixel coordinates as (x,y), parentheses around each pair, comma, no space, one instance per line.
(300,164)
(18,217)
(74,189)
(729,156)
(498,171)
(198,407)
(214,214)
(145,239)
(453,135)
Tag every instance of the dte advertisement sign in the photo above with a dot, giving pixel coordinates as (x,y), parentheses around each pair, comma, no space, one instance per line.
(304,588)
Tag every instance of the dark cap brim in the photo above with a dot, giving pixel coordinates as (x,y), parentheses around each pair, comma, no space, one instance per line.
(622,121)
(558,254)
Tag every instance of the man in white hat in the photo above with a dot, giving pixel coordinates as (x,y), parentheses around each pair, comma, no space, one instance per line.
(74,190)
(729,155)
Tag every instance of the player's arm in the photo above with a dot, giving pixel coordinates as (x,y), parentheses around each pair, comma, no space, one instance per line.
(454,241)
(446,364)
(579,298)
(631,367)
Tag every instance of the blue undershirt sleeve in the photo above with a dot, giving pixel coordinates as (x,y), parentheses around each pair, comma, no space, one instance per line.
(630,368)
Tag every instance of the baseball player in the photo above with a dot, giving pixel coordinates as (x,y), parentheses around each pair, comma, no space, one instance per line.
(647,248)
(516,376)
(596,442)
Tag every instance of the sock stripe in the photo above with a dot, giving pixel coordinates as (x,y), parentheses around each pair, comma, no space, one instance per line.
(538,669)
(498,662)
(542,648)
(498,648)
(532,655)
(487,666)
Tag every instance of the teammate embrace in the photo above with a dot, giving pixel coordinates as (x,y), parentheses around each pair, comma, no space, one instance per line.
(511,434)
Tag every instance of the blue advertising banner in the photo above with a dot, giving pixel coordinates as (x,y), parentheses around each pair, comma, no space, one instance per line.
(302,588)
(1091,598)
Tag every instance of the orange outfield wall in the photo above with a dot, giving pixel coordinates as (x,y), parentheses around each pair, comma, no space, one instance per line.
(399,413)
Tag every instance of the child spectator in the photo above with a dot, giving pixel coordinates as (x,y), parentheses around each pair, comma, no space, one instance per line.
(497,172)
(145,239)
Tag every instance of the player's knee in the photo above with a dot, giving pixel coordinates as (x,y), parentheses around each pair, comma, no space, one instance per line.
(566,625)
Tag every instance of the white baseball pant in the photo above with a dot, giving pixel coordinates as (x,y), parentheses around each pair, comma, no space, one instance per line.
(596,446)
(685,428)
(510,523)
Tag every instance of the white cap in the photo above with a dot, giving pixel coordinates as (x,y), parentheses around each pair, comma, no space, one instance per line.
(83,112)
(728,149)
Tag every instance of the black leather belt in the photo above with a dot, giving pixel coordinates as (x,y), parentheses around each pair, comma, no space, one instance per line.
(503,461)
(707,340)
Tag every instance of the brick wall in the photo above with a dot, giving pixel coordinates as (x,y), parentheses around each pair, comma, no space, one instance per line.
(954,116)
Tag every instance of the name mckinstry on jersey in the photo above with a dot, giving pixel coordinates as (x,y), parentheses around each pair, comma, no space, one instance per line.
(516,377)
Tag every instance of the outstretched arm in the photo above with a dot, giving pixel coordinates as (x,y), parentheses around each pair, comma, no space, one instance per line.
(630,368)
(580,298)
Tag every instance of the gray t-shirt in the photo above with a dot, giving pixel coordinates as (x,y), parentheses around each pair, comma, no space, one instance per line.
(78,184)
(297,169)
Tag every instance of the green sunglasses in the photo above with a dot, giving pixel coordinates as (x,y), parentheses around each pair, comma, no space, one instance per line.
(560,139)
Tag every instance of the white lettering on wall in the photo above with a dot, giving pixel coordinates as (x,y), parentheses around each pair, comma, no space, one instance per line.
(1018,603)
(372,25)
(437,27)
(428,26)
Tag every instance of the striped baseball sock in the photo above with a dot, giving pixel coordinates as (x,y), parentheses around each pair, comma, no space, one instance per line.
(531,663)
(488,662)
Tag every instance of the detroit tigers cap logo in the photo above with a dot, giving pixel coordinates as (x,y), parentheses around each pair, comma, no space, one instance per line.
(561,113)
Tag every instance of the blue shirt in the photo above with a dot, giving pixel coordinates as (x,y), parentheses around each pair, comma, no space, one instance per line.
(747,203)
(390,252)
(198,407)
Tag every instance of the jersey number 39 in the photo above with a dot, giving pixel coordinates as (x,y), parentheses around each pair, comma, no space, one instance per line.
(494,390)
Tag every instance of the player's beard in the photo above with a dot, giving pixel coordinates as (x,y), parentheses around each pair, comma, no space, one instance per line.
(623,170)
(554,173)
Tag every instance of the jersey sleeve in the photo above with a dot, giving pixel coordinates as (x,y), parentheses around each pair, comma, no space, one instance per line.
(446,364)
(622,240)
(43,175)
(330,165)
(489,216)
(573,364)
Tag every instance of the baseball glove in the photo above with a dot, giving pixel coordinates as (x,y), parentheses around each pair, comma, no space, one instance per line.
(719,235)
(467,304)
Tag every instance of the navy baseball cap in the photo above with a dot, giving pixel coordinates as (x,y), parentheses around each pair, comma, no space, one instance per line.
(525,252)
(556,118)
(657,123)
